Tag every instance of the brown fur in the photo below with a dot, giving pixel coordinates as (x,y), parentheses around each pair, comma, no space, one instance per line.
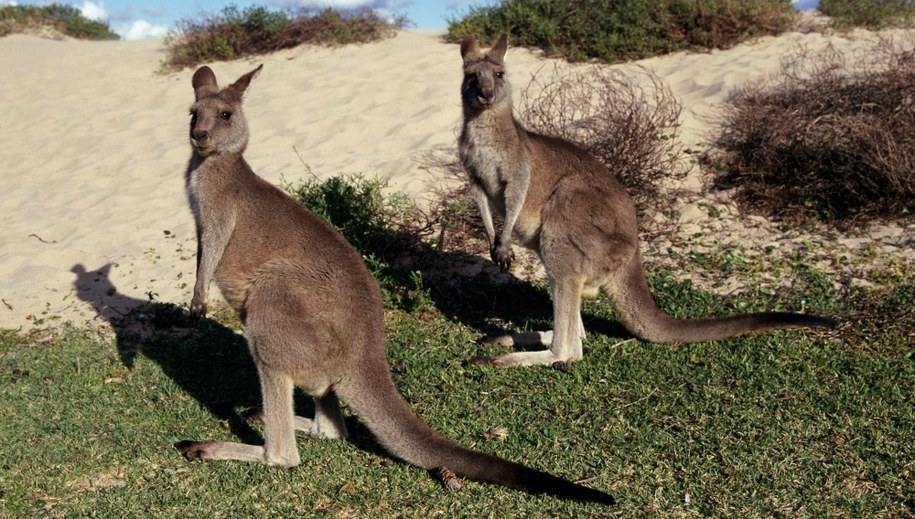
(312,311)
(563,203)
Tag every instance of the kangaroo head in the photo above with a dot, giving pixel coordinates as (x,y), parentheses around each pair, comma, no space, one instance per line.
(485,84)
(217,122)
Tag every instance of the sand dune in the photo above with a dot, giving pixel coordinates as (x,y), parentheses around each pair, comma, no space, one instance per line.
(94,145)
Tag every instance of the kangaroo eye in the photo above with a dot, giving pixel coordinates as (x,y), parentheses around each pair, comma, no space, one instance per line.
(225,116)
(500,74)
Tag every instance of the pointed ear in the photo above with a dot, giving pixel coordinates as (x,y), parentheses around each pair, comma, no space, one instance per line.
(204,82)
(237,89)
(498,50)
(469,45)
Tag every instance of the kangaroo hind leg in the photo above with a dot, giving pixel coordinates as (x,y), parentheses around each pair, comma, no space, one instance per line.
(279,443)
(565,340)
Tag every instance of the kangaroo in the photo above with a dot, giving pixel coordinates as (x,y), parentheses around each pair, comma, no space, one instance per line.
(311,309)
(561,202)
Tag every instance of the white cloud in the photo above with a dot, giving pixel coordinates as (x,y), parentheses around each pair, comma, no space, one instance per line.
(141,30)
(93,11)
(8,3)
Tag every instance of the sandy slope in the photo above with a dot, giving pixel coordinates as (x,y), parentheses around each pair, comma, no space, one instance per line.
(94,147)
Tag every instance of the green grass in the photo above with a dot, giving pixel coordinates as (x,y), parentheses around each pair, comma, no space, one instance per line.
(623,30)
(795,423)
(63,19)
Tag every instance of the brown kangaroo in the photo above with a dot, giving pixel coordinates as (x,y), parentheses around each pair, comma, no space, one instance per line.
(561,202)
(311,309)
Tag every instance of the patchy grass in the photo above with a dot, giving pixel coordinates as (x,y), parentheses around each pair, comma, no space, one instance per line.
(624,30)
(53,19)
(233,33)
(787,423)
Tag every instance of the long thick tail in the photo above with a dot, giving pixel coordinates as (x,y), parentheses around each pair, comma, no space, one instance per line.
(641,315)
(375,399)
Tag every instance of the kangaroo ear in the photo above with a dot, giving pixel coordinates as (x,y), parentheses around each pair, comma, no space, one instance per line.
(469,45)
(498,50)
(237,89)
(204,82)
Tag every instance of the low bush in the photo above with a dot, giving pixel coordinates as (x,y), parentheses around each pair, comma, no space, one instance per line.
(61,19)
(383,227)
(827,140)
(621,30)
(868,13)
(234,33)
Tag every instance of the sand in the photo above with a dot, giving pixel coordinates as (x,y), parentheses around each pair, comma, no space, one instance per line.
(94,147)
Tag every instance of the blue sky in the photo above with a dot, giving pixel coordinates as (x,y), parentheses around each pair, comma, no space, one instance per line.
(138,19)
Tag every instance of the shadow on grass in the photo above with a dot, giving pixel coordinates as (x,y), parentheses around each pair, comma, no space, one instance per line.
(207,359)
(467,288)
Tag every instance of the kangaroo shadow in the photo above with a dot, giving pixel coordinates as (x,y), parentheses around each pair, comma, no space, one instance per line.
(472,290)
(208,360)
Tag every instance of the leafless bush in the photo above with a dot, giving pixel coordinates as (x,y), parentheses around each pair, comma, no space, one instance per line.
(825,138)
(628,120)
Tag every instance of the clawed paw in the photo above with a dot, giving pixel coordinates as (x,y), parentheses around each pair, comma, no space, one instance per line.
(198,310)
(502,254)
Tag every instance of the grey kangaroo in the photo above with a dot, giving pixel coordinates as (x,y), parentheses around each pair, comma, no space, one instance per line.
(311,309)
(561,202)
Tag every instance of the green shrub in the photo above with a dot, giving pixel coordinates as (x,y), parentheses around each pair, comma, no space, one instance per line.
(617,30)
(380,226)
(234,33)
(64,19)
(874,14)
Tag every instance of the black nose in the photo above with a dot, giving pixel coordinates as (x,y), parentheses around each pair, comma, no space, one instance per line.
(201,136)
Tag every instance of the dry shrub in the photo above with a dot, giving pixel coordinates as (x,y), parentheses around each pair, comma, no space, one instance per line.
(628,120)
(827,140)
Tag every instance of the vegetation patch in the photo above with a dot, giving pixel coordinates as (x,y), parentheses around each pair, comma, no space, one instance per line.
(623,30)
(785,423)
(868,13)
(235,33)
(824,140)
(57,19)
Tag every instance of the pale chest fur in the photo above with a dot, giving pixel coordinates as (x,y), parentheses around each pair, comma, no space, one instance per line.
(490,156)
